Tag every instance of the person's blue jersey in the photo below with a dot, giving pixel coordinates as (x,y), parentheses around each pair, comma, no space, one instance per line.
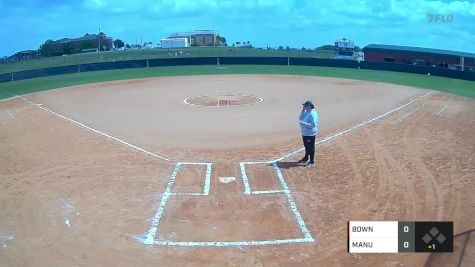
(309,122)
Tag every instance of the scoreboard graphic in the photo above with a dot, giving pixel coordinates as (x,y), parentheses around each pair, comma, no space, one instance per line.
(395,236)
(344,49)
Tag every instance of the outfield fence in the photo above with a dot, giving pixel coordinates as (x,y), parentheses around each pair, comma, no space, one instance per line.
(195,61)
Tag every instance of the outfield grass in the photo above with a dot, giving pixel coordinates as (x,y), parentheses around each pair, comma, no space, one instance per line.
(453,86)
(157,53)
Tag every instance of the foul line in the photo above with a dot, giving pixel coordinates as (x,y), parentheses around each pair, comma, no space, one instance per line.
(343,132)
(10,114)
(10,98)
(256,162)
(442,110)
(89,128)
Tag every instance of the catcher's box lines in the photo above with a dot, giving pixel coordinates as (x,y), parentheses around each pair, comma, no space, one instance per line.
(150,238)
(151,235)
(247,190)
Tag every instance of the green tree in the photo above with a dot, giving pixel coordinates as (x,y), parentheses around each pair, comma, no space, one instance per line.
(88,44)
(220,40)
(47,49)
(68,49)
(326,47)
(118,43)
(281,47)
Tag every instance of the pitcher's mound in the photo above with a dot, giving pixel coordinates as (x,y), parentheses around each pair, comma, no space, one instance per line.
(223,100)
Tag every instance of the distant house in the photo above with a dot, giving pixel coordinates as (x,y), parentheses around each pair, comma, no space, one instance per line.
(23,55)
(87,43)
(198,37)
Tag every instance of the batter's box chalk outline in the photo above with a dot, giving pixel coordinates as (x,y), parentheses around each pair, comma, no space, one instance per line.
(207,182)
(150,238)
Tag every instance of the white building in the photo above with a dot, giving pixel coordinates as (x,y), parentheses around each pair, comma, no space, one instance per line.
(174,42)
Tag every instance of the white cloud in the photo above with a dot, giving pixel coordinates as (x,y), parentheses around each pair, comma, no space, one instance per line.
(275,22)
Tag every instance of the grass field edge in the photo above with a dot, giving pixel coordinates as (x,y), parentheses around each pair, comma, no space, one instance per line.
(448,85)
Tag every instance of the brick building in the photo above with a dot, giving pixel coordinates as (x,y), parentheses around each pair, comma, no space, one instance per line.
(198,38)
(420,56)
(86,43)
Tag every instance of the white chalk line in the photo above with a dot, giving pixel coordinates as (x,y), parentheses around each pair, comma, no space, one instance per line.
(186,194)
(151,235)
(245,180)
(207,185)
(154,228)
(10,98)
(267,192)
(152,232)
(328,138)
(10,114)
(40,106)
(285,189)
(442,110)
(149,239)
(247,191)
(256,162)
(194,163)
(292,204)
(262,192)
(400,119)
(207,182)
(232,243)
(5,239)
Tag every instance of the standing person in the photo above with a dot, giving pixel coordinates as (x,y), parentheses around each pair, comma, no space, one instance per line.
(308,120)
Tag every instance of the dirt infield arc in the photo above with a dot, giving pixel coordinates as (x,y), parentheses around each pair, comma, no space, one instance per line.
(223,100)
(385,152)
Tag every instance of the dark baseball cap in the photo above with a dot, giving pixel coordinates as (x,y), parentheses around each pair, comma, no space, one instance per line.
(308,103)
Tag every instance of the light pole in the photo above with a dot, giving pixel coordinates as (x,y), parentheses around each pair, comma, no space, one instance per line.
(99,40)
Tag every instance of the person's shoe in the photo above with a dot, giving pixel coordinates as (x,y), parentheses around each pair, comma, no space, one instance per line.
(304,160)
(310,164)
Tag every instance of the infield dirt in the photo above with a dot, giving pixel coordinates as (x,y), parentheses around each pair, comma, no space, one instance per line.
(71,197)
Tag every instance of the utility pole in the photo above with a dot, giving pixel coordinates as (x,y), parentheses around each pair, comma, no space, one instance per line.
(99,40)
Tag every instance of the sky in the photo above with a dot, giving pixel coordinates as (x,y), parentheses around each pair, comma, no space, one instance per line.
(26,24)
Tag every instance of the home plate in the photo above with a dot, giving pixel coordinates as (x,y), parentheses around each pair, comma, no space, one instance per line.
(227,180)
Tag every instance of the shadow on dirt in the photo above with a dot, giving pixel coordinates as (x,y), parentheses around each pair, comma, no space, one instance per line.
(288,165)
